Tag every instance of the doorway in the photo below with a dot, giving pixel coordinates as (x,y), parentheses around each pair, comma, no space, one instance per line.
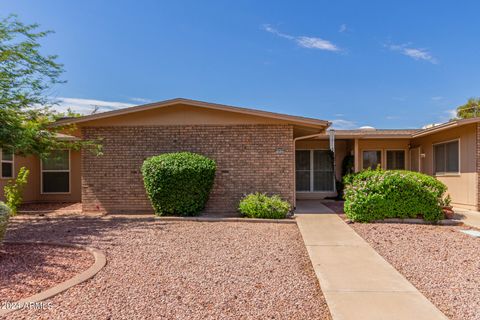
(314,171)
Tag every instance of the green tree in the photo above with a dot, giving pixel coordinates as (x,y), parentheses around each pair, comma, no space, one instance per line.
(26,79)
(470,109)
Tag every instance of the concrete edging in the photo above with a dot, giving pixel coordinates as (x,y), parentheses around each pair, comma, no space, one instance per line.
(100,262)
(233,219)
(444,222)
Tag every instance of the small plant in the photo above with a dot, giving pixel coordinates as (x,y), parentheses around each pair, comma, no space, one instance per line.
(260,205)
(4,216)
(178,183)
(447,201)
(13,191)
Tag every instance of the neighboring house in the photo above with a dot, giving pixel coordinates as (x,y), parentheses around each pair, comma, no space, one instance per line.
(254,150)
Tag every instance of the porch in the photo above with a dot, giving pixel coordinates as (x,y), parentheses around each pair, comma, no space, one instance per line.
(322,160)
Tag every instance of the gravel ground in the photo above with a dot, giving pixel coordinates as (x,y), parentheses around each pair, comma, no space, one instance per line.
(29,269)
(59,207)
(183,270)
(443,263)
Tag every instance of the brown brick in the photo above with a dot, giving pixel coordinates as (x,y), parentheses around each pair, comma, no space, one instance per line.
(246,156)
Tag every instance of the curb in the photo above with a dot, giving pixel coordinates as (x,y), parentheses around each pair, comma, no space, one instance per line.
(47,211)
(212,219)
(100,262)
(444,222)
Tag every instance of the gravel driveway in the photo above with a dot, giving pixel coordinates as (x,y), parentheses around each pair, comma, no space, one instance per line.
(183,270)
(443,263)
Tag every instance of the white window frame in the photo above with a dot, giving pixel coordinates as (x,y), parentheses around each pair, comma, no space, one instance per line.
(404,158)
(376,150)
(7,161)
(312,170)
(69,175)
(446,174)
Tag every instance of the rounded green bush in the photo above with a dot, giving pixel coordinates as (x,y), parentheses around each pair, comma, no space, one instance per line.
(178,183)
(259,205)
(378,194)
(4,215)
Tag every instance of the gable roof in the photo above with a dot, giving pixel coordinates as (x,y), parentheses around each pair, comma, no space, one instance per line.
(200,104)
(402,133)
(445,126)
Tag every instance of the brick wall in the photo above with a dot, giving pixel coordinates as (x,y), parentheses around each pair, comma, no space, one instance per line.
(247,158)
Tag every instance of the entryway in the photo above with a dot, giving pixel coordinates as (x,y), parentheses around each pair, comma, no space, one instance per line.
(314,171)
(311,206)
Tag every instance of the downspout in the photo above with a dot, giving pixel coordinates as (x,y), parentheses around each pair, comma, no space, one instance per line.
(294,168)
(331,133)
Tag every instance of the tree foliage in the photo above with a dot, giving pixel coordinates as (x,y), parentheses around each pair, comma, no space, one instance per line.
(470,109)
(27,77)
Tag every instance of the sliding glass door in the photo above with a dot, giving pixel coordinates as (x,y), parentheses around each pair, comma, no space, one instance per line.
(314,170)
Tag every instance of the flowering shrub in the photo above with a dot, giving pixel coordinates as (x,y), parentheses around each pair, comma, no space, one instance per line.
(378,194)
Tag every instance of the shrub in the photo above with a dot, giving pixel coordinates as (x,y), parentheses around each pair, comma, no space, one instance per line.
(259,205)
(178,183)
(4,215)
(14,190)
(378,194)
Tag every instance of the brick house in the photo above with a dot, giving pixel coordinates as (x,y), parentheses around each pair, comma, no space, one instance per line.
(255,150)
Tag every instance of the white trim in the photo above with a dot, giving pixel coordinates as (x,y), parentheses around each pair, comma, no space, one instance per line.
(446,173)
(7,161)
(404,158)
(69,175)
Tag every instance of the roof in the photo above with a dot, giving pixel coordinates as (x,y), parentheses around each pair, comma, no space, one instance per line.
(445,126)
(200,104)
(402,133)
(376,133)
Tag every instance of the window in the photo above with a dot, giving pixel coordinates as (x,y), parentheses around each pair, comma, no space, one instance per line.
(446,158)
(372,159)
(395,160)
(314,170)
(6,158)
(56,172)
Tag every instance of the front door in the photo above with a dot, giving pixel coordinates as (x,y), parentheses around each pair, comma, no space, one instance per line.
(314,171)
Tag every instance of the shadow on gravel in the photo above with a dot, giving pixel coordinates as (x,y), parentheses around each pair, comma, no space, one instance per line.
(27,268)
(76,230)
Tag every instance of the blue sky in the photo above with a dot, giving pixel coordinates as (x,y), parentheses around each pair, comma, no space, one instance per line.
(378,63)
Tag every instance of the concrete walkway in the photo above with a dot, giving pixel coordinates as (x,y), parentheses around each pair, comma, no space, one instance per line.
(311,206)
(357,282)
(471,218)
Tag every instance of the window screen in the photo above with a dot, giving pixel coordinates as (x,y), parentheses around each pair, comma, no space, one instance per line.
(395,160)
(6,158)
(446,157)
(371,159)
(56,172)
(302,172)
